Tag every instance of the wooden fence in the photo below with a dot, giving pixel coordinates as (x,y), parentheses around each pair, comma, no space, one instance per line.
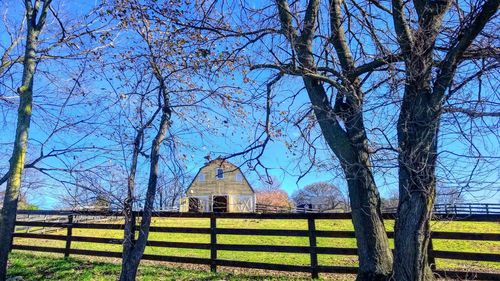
(440,209)
(468,208)
(459,209)
(55,219)
(264,208)
(312,233)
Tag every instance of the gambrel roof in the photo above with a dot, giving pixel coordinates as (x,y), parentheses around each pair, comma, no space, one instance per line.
(220,161)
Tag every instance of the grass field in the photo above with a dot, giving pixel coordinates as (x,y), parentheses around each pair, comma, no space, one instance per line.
(35,267)
(284,258)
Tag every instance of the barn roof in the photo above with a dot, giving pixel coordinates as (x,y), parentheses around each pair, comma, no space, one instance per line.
(222,160)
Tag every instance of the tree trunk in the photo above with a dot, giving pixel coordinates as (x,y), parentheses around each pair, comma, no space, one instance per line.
(417,136)
(17,159)
(350,144)
(132,258)
(417,130)
(419,121)
(375,257)
(128,205)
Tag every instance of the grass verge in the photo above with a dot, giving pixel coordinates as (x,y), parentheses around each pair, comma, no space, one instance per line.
(36,267)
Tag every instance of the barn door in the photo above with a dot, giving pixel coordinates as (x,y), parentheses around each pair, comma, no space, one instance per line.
(203,204)
(184,207)
(220,204)
(194,204)
(243,203)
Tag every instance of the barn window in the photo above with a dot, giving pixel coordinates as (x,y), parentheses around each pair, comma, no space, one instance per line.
(219,173)
(194,204)
(201,177)
(238,177)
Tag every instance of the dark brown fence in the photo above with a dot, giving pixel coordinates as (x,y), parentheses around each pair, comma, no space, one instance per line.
(460,209)
(263,208)
(313,250)
(468,208)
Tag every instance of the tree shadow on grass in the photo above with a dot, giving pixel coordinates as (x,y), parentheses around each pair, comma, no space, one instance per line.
(37,267)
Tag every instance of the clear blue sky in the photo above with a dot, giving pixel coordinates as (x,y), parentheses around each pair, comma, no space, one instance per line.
(283,164)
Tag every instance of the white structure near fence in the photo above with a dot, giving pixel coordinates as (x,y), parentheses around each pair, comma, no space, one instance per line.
(219,186)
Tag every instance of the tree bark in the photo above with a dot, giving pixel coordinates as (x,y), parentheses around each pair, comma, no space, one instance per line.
(351,148)
(417,137)
(17,160)
(418,125)
(349,144)
(131,259)
(128,205)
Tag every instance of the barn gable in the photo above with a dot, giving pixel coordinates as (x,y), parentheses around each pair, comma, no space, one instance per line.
(207,181)
(219,186)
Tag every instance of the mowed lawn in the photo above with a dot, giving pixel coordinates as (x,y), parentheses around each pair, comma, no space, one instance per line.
(284,258)
(35,267)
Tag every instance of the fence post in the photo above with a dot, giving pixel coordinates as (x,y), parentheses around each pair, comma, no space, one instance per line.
(213,243)
(68,236)
(430,254)
(28,227)
(312,246)
(487,210)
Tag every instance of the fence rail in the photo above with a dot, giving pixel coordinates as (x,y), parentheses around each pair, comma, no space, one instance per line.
(460,209)
(467,208)
(264,208)
(312,233)
(441,209)
(54,219)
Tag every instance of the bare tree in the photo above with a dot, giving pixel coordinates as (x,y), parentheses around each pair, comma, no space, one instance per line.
(171,189)
(36,14)
(299,41)
(426,91)
(38,48)
(168,97)
(343,128)
(322,195)
(349,56)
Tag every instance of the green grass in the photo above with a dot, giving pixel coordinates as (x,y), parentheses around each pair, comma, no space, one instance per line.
(284,258)
(32,268)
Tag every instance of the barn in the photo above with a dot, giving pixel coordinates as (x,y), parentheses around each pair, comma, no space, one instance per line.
(219,186)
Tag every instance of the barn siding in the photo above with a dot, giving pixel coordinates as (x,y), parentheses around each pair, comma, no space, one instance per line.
(229,185)
(212,185)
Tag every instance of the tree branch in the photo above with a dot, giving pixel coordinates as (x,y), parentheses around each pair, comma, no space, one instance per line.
(471,113)
(403,31)
(286,21)
(43,15)
(338,37)
(467,34)
(376,63)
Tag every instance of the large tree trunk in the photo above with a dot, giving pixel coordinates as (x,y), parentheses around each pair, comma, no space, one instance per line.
(417,136)
(375,257)
(132,258)
(350,144)
(419,121)
(17,160)
(417,130)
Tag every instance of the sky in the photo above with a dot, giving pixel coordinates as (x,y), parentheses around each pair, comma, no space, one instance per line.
(284,165)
